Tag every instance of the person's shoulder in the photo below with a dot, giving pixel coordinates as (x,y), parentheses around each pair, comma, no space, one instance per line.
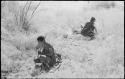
(49,45)
(87,23)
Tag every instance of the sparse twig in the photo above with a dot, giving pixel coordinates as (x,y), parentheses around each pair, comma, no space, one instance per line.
(34,11)
(21,16)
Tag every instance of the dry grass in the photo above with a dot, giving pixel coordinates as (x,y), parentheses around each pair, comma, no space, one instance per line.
(21,16)
(99,58)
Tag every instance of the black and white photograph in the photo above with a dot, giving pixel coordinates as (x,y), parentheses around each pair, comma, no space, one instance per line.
(62,39)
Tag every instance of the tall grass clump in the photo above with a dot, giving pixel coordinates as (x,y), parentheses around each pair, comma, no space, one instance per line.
(22,18)
(20,15)
(16,21)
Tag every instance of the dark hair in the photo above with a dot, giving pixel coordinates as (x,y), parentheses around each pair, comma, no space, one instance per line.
(92,19)
(41,38)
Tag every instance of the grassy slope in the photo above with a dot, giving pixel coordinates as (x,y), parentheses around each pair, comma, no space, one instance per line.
(102,57)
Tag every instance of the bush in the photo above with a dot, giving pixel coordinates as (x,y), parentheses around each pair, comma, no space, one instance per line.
(20,14)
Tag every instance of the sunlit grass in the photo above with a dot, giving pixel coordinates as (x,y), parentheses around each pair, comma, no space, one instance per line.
(102,57)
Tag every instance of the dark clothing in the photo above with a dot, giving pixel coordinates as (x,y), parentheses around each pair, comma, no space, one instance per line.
(88,30)
(48,51)
(44,63)
(42,59)
(46,58)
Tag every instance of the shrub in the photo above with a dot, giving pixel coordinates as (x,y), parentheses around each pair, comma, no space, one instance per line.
(20,14)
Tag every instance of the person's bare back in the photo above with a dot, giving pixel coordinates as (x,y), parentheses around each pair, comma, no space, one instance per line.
(89,29)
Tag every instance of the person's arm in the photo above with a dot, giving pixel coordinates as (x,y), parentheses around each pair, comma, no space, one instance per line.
(95,30)
(36,48)
(39,50)
(85,27)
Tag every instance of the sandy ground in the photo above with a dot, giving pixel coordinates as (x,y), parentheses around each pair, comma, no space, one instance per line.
(102,57)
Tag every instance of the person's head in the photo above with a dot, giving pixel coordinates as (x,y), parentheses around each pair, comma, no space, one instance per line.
(92,19)
(41,39)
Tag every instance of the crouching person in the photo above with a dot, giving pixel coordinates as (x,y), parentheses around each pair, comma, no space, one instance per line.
(46,54)
(89,29)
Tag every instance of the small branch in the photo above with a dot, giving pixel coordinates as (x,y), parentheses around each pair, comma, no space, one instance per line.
(34,11)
